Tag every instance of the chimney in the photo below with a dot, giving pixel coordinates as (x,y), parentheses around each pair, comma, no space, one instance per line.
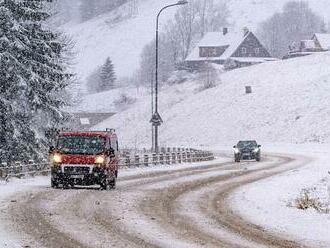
(225,31)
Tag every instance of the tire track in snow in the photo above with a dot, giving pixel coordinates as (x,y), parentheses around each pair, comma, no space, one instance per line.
(229,230)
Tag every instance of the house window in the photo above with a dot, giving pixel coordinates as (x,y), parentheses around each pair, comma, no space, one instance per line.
(257,50)
(243,50)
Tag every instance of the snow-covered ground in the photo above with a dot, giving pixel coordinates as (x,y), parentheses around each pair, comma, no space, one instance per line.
(7,190)
(289,104)
(268,203)
(109,101)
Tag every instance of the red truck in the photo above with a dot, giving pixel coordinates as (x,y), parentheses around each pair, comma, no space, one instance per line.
(85,158)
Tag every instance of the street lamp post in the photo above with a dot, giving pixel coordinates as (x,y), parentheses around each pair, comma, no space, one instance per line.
(156,119)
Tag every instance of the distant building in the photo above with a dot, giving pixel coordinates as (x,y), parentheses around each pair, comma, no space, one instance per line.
(230,49)
(318,43)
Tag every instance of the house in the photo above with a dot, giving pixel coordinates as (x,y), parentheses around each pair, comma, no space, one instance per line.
(228,48)
(318,43)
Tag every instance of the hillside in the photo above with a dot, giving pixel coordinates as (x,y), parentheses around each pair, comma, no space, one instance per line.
(122,36)
(116,34)
(289,104)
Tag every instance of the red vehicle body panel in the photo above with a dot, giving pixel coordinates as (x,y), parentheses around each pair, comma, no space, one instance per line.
(77,159)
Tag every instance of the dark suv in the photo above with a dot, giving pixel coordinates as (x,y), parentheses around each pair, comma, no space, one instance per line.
(247,150)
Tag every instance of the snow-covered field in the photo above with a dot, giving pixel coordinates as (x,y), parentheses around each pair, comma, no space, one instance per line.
(267,203)
(109,101)
(289,104)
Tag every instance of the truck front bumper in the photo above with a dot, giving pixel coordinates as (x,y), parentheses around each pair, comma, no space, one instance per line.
(78,175)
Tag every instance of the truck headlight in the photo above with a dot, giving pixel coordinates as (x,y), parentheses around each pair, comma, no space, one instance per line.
(256,150)
(99,160)
(57,158)
(236,150)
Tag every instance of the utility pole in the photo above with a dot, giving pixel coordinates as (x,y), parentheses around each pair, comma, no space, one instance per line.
(156,119)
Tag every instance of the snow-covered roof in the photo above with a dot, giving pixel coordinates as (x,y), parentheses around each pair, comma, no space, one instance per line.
(218,39)
(324,40)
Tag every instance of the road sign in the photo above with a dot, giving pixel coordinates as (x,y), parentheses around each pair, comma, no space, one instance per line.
(156,120)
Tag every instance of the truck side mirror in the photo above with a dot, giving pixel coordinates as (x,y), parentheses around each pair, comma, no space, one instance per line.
(51,149)
(259,146)
(111,152)
(234,146)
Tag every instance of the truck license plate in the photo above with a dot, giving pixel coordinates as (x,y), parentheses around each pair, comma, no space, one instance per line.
(77,176)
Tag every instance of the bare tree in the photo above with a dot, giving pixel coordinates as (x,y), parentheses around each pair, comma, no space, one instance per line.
(180,35)
(296,22)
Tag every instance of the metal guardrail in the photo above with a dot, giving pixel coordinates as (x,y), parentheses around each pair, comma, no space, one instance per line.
(127,159)
(20,169)
(189,156)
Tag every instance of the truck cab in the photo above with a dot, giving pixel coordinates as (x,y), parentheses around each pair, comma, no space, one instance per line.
(85,158)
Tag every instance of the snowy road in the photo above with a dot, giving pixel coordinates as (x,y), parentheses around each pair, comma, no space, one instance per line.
(169,207)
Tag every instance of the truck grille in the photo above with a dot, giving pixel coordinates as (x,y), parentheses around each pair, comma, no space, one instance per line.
(76,170)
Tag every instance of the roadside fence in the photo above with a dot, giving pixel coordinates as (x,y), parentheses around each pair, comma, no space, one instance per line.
(20,169)
(167,156)
(128,158)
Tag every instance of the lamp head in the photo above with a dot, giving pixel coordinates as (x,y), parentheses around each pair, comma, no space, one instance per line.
(182,2)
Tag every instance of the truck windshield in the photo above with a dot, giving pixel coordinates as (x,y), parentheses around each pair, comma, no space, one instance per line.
(89,145)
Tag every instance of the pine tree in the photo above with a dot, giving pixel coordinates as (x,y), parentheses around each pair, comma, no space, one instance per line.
(107,76)
(33,78)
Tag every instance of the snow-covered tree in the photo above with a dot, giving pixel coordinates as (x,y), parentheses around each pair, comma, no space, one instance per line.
(33,78)
(102,79)
(296,22)
(107,76)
